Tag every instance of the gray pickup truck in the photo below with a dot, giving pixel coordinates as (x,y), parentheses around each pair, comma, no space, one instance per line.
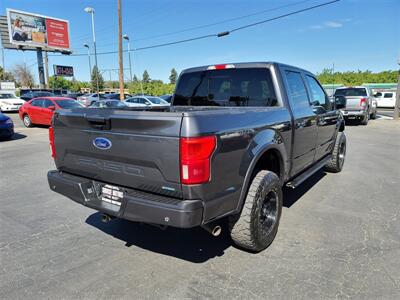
(359,103)
(233,136)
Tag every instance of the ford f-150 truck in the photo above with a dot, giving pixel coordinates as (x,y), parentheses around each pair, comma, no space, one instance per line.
(234,135)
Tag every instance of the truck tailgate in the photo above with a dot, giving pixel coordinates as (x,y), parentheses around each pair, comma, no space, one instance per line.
(353,103)
(136,149)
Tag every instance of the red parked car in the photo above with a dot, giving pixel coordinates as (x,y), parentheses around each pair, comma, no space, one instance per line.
(39,111)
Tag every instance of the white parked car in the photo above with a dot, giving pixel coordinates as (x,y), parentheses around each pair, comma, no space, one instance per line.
(146,101)
(386,99)
(10,102)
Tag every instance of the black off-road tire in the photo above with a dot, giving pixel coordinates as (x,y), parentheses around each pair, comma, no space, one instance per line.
(257,225)
(27,121)
(335,165)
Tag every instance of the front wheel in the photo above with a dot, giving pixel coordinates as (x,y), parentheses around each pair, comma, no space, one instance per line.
(27,121)
(257,225)
(335,165)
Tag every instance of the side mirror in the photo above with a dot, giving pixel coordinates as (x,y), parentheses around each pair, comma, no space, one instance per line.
(340,102)
(52,107)
(147,103)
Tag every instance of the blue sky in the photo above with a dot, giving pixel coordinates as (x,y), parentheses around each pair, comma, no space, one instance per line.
(352,34)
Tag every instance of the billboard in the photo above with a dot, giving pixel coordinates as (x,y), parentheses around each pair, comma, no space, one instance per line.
(65,71)
(27,29)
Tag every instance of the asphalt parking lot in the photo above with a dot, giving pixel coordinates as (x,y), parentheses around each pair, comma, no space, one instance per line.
(339,236)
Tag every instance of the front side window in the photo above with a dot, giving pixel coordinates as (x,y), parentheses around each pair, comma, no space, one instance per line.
(47,103)
(227,87)
(297,91)
(318,95)
(68,104)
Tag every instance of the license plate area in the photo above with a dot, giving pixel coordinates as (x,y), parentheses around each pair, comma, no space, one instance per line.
(112,195)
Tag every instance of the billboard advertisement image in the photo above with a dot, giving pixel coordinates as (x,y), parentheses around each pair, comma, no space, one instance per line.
(27,29)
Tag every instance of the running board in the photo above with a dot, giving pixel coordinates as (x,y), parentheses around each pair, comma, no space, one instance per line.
(309,172)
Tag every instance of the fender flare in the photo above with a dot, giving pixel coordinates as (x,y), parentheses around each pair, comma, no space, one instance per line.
(283,165)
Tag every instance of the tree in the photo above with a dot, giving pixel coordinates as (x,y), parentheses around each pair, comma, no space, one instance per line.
(23,75)
(93,79)
(58,82)
(146,77)
(135,79)
(6,76)
(173,76)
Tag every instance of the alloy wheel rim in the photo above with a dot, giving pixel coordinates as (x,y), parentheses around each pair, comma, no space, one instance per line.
(269,211)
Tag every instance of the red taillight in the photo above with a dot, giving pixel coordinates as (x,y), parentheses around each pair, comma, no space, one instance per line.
(51,139)
(195,156)
(363,102)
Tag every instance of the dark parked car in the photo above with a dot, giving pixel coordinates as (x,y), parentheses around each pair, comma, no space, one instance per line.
(116,96)
(74,95)
(34,94)
(233,137)
(167,98)
(108,104)
(6,127)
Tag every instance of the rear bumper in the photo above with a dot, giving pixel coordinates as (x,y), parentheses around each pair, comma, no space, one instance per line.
(354,113)
(135,205)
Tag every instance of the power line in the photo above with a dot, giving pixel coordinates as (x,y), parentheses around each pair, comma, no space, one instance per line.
(212,24)
(224,21)
(220,34)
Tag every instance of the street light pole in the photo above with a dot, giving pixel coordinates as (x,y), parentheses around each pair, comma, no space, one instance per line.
(90,64)
(90,10)
(126,37)
(120,58)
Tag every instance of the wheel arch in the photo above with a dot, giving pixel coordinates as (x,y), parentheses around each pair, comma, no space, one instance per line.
(271,152)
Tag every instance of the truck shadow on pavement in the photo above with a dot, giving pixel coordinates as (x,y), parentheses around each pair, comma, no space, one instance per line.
(195,245)
(291,196)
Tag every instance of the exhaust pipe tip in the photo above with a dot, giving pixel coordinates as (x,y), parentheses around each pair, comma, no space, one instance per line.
(215,230)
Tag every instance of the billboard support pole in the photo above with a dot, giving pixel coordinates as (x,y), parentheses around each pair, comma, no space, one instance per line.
(42,82)
(46,69)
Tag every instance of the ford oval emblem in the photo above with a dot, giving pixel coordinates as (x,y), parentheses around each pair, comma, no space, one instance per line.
(102,143)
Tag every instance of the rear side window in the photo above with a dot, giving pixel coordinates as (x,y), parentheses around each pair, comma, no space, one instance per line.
(297,91)
(349,92)
(37,102)
(229,87)
(388,95)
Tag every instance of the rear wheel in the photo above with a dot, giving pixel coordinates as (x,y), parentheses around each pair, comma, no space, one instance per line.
(365,119)
(257,225)
(335,165)
(27,121)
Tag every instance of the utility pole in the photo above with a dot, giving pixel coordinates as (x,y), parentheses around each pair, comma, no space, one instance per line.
(46,68)
(397,103)
(120,58)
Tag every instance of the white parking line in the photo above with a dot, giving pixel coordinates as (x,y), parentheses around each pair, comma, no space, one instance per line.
(384,117)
